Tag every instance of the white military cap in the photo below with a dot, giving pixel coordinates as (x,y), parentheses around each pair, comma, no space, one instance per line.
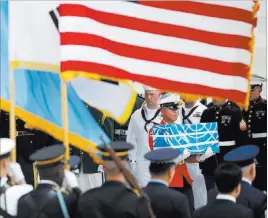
(6,146)
(169,100)
(149,88)
(257,80)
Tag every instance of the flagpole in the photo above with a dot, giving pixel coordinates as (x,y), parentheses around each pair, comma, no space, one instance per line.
(64,106)
(12,118)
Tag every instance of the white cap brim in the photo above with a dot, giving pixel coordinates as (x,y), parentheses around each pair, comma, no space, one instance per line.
(6,146)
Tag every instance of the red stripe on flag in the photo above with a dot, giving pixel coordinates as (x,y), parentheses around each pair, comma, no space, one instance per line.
(218,39)
(204,9)
(160,83)
(153,55)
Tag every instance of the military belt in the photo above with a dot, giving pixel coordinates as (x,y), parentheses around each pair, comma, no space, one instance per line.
(23,133)
(259,135)
(120,132)
(227,143)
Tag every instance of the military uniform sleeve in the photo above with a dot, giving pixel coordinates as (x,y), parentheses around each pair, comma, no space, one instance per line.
(249,213)
(131,137)
(181,207)
(262,207)
(205,117)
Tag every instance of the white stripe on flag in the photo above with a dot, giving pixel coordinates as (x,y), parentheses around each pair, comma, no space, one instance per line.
(140,67)
(211,24)
(154,41)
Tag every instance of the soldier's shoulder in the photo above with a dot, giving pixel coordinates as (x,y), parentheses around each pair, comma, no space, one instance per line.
(263,101)
(136,113)
(90,194)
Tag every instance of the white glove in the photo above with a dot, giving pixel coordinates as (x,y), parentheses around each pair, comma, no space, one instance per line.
(14,170)
(183,156)
(205,156)
(69,181)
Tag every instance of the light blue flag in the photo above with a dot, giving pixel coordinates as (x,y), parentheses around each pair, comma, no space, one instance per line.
(38,100)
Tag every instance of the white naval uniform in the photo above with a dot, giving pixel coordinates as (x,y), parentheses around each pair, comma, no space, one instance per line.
(198,186)
(137,136)
(9,199)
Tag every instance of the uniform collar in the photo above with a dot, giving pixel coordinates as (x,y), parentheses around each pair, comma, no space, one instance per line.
(158,181)
(246,180)
(113,182)
(226,197)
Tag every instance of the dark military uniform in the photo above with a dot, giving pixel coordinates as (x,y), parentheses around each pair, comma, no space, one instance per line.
(249,196)
(223,209)
(113,198)
(175,203)
(120,131)
(27,142)
(256,119)
(229,121)
(49,199)
(43,200)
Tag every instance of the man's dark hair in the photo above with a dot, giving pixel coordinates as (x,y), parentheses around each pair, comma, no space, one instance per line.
(160,169)
(53,173)
(227,177)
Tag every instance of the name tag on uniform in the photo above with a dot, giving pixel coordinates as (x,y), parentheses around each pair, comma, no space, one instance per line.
(197,114)
(196,138)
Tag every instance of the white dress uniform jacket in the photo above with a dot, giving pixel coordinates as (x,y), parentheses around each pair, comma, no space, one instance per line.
(138,136)
(193,116)
(9,199)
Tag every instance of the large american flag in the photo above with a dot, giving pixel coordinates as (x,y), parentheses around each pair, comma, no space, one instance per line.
(197,48)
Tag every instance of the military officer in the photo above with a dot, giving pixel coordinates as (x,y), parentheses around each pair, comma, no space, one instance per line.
(50,198)
(162,169)
(120,132)
(140,124)
(9,195)
(232,132)
(249,196)
(256,119)
(228,178)
(182,180)
(113,198)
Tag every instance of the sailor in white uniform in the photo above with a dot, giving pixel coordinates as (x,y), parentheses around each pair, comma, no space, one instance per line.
(190,113)
(140,124)
(9,195)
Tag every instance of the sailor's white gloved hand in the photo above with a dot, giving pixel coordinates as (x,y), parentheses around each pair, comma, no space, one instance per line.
(69,181)
(205,156)
(14,170)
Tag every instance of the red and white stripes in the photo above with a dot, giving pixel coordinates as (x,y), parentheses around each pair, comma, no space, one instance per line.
(192,47)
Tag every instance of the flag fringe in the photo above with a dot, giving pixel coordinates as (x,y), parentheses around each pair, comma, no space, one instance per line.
(57,132)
